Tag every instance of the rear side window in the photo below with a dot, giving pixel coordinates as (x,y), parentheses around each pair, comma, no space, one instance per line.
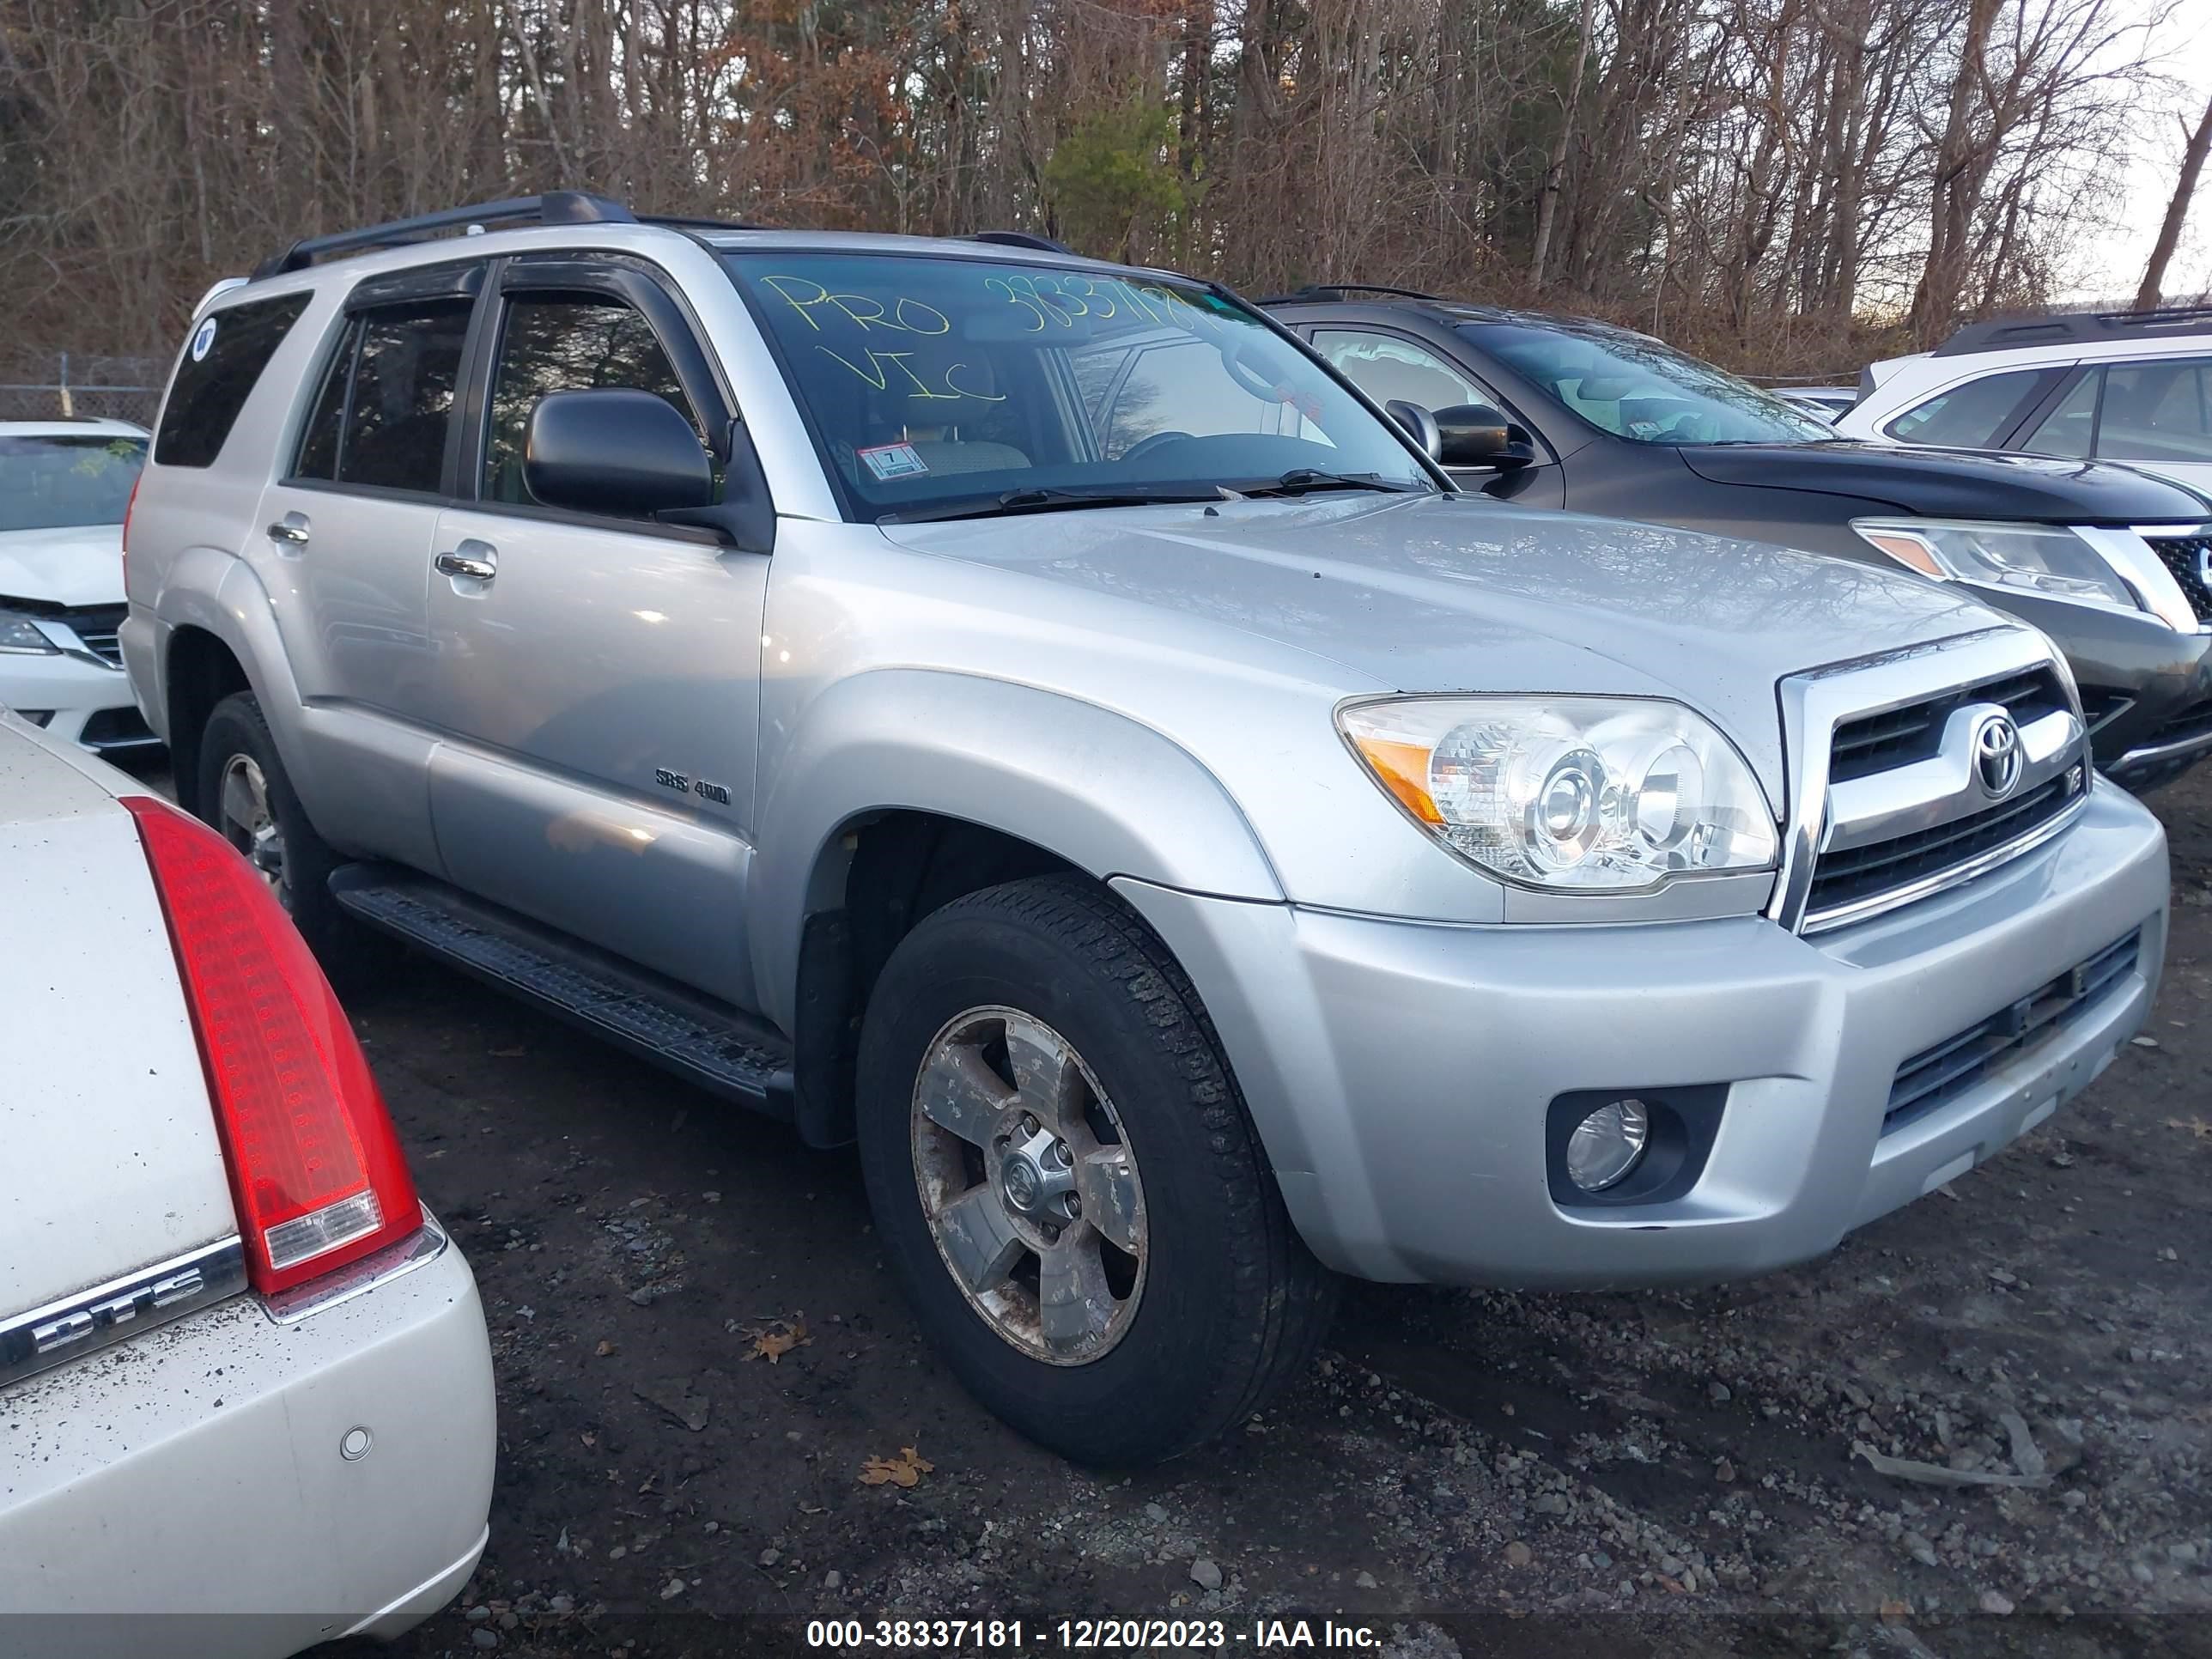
(222,362)
(1975,416)
(382,417)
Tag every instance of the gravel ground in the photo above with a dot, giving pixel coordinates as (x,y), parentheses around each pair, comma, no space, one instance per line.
(700,1353)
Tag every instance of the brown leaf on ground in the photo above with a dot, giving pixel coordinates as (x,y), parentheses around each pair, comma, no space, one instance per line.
(604,1349)
(904,1470)
(2196,1126)
(772,1341)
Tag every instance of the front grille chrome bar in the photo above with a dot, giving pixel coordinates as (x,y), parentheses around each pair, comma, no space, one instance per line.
(1860,812)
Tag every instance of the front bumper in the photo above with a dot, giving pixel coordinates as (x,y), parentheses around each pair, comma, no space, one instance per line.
(1400,1073)
(78,700)
(188,1485)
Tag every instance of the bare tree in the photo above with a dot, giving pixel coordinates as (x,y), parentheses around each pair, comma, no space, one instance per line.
(2177,211)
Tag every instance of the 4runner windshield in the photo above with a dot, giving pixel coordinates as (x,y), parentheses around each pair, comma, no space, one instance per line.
(1638,389)
(942,387)
(55,482)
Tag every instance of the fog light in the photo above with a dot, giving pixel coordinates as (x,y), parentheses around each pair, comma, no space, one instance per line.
(1607,1144)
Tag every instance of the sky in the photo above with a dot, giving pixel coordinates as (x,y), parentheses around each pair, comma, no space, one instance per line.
(2109,265)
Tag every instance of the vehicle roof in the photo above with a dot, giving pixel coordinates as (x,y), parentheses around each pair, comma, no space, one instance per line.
(645,239)
(76,426)
(2085,351)
(1353,298)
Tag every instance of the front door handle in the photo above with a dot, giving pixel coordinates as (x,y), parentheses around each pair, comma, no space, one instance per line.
(290,531)
(473,561)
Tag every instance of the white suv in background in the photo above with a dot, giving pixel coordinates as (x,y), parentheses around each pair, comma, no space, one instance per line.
(65,489)
(2121,385)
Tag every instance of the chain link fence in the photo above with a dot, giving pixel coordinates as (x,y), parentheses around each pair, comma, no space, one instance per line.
(45,385)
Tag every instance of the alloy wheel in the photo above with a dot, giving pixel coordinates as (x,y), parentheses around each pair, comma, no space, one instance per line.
(1028,1186)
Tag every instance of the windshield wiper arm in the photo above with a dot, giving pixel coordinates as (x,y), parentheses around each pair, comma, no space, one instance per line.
(1304,480)
(1014,501)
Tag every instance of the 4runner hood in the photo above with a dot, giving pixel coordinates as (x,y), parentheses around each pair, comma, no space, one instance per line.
(78,565)
(1953,484)
(1461,593)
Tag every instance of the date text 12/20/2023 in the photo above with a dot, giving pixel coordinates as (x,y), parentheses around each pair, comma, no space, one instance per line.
(1083,1635)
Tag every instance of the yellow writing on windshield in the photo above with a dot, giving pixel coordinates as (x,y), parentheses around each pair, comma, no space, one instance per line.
(880,374)
(904,315)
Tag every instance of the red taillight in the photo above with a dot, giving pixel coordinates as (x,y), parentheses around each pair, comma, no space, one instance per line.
(315,1166)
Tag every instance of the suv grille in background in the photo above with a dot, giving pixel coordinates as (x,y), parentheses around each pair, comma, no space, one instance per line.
(1942,1073)
(1898,737)
(96,625)
(2184,556)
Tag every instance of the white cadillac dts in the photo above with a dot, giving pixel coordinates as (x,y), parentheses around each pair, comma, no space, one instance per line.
(246,1392)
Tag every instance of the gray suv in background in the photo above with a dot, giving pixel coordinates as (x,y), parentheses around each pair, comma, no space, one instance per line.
(1033,718)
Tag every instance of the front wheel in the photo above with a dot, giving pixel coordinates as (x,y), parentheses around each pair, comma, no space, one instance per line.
(1067,1181)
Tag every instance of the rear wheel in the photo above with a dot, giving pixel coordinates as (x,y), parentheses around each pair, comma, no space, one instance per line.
(245,793)
(1067,1184)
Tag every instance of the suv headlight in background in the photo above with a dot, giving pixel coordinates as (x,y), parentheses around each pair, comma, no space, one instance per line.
(1574,794)
(20,637)
(2048,560)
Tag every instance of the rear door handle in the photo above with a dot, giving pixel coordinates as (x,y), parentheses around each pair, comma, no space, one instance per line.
(290,531)
(473,561)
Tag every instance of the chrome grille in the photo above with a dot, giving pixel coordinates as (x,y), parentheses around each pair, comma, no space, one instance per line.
(1849,877)
(97,627)
(2184,556)
(1936,1076)
(1876,743)
(1896,800)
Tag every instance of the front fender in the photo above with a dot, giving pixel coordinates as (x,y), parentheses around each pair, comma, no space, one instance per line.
(1112,797)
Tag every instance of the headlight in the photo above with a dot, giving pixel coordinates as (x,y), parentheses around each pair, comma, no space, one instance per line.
(2048,560)
(1587,794)
(19,638)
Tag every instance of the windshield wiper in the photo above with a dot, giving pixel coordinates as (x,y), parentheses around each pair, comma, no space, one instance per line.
(1014,501)
(1305,480)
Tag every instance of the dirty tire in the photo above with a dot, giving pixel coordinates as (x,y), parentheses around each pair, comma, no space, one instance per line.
(1232,1305)
(351,956)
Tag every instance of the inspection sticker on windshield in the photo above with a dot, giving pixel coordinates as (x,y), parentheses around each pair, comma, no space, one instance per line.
(893,461)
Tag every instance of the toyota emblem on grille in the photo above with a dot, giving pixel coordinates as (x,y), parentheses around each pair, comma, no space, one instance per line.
(2204,565)
(1996,756)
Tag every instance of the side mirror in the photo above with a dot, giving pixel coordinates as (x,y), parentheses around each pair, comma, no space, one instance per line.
(614,450)
(1418,421)
(1476,435)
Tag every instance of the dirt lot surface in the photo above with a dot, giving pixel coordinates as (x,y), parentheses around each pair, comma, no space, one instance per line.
(1618,1474)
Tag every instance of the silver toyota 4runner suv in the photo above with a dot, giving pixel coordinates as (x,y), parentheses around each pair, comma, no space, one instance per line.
(1032,718)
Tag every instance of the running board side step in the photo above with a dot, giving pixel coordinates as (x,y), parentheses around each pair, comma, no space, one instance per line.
(704,1041)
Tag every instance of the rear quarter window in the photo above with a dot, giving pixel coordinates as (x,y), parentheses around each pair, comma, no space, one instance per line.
(221,363)
(1975,415)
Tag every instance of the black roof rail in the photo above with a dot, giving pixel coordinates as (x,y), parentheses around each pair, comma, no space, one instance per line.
(1023,238)
(698,222)
(1331,290)
(554,207)
(2075,328)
